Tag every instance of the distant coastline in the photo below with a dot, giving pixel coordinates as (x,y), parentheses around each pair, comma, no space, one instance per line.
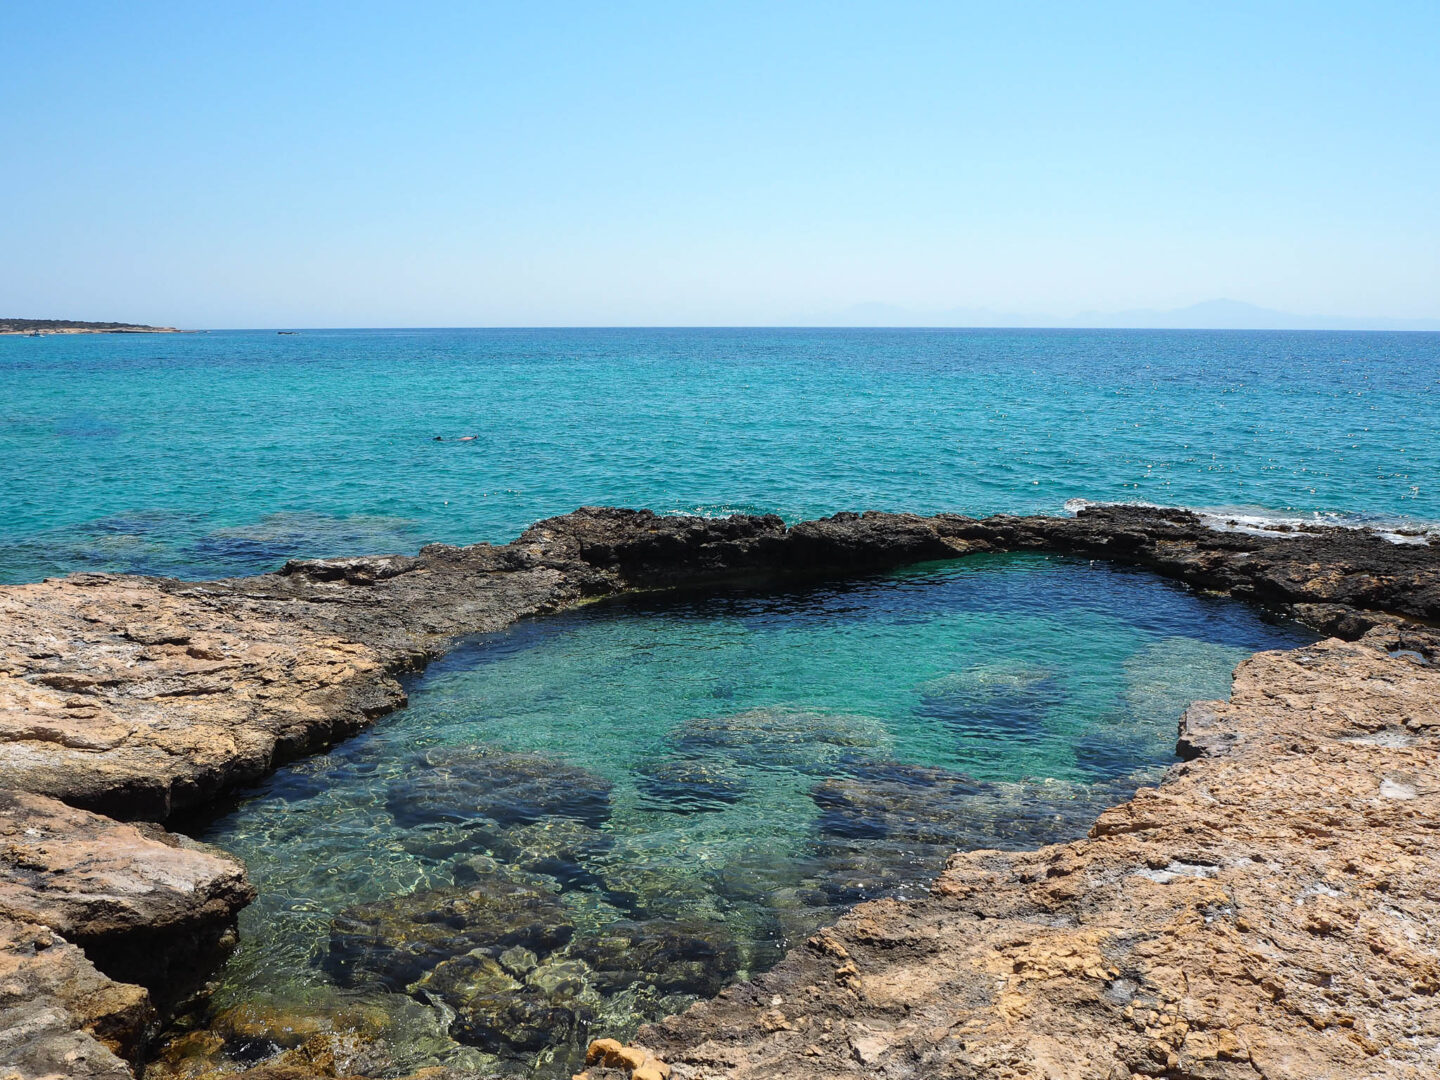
(44,327)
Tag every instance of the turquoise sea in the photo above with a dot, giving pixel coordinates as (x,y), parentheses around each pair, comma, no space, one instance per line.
(593,818)
(228,452)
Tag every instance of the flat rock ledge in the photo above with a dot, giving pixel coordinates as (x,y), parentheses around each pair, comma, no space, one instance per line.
(1268,911)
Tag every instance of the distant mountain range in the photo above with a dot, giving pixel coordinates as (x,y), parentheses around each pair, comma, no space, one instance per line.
(1209,315)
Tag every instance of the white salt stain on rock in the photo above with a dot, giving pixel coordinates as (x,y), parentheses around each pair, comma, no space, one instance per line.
(1394,789)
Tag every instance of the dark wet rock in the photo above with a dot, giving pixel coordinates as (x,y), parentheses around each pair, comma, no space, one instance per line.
(691,785)
(395,942)
(674,956)
(780,738)
(360,570)
(470,784)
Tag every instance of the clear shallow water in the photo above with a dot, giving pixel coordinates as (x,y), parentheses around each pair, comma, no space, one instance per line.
(226,453)
(655,796)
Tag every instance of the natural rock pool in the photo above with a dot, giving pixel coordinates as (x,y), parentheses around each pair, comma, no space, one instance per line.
(590,819)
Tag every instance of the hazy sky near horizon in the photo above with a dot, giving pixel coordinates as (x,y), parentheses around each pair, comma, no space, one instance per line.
(366,164)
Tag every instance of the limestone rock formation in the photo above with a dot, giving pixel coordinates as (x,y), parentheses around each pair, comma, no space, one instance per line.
(141,697)
(59,1017)
(146,907)
(124,696)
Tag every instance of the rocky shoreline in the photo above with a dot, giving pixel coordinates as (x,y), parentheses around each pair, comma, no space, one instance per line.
(137,700)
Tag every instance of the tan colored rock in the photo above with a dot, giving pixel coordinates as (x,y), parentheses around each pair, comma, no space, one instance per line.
(59,1017)
(145,906)
(640,1064)
(120,696)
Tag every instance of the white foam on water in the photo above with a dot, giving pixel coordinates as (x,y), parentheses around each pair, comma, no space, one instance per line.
(1260,522)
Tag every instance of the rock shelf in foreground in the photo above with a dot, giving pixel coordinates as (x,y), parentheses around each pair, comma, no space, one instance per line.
(1266,912)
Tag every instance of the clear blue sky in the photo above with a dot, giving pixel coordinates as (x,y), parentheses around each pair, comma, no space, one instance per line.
(357,164)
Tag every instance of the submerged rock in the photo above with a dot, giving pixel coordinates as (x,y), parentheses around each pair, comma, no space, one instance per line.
(913,807)
(691,785)
(305,1031)
(650,886)
(497,1011)
(672,955)
(477,784)
(1006,702)
(519,1020)
(806,742)
(395,942)
(558,848)
(561,848)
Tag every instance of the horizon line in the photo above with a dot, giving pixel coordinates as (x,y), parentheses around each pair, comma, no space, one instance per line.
(296,327)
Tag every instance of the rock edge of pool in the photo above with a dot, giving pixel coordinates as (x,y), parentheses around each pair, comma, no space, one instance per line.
(1269,910)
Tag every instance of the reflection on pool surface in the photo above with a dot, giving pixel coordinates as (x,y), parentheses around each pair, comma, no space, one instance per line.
(587,820)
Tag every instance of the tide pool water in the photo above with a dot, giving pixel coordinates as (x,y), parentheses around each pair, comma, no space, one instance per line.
(589,819)
(228,452)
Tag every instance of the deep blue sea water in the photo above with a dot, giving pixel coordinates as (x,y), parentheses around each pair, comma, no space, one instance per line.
(228,452)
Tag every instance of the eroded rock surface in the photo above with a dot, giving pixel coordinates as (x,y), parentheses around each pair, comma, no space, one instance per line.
(121,695)
(59,1017)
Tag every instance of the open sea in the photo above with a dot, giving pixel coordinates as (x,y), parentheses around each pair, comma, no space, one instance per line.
(591,819)
(224,453)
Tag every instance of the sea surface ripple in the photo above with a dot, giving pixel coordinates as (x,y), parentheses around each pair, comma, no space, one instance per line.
(225,453)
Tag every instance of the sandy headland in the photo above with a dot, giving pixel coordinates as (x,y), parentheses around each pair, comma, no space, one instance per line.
(1269,910)
(48,327)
